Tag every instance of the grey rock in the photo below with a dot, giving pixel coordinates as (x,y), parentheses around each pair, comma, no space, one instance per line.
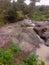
(25,37)
(47,42)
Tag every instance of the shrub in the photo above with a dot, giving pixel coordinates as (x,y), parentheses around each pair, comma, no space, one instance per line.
(2,20)
(10,14)
(33,60)
(6,57)
(20,15)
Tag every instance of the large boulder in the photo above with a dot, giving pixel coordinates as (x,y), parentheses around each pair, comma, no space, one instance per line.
(27,23)
(41,23)
(46,33)
(40,30)
(46,23)
(25,37)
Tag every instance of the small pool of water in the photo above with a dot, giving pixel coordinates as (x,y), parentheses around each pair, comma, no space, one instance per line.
(43,53)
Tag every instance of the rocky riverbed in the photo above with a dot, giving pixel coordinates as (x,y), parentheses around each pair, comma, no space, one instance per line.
(27,36)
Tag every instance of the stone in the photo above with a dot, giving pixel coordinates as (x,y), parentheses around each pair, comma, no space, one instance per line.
(25,37)
(47,42)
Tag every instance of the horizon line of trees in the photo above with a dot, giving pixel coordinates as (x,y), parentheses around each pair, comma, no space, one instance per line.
(15,11)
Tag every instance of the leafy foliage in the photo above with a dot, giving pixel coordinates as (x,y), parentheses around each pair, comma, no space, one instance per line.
(5,57)
(20,15)
(15,11)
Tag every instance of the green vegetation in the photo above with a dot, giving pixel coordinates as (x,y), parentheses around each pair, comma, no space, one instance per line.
(20,15)
(2,20)
(12,52)
(32,60)
(38,16)
(7,56)
(11,12)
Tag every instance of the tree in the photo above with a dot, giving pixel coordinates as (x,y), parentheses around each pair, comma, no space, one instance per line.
(21,1)
(4,3)
(33,2)
(10,14)
(22,6)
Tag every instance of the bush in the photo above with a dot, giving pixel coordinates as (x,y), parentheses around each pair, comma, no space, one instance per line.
(6,57)
(10,14)
(20,15)
(2,20)
(32,60)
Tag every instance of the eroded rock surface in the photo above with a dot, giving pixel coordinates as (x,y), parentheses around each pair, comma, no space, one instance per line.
(26,37)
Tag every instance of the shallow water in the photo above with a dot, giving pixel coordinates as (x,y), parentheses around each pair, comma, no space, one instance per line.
(43,53)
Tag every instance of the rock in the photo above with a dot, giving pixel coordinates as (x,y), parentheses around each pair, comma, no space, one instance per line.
(40,30)
(38,24)
(28,39)
(47,42)
(46,33)
(27,23)
(46,23)
(42,23)
(25,37)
